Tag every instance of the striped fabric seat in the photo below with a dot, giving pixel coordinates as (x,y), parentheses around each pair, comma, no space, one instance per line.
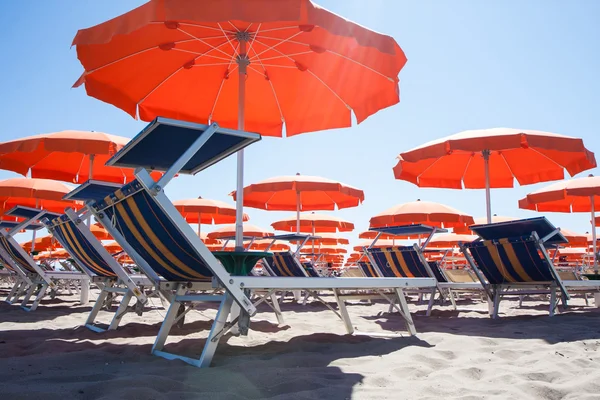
(15,255)
(439,275)
(153,235)
(510,260)
(79,247)
(399,262)
(284,263)
(310,269)
(367,269)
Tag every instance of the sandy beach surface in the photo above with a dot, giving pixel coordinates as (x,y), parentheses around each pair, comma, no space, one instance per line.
(49,354)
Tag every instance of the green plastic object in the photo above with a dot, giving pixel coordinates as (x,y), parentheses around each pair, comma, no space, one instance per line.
(240,263)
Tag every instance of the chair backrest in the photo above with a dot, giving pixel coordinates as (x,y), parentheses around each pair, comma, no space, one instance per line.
(367,268)
(16,255)
(284,263)
(310,269)
(460,276)
(399,262)
(510,260)
(147,228)
(79,247)
(437,272)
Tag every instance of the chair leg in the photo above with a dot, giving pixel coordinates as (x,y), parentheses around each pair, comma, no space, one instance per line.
(29,293)
(120,311)
(431,300)
(97,306)
(553,303)
(344,313)
(15,289)
(452,299)
(84,293)
(277,309)
(165,328)
(215,332)
(410,325)
(496,303)
(521,297)
(40,295)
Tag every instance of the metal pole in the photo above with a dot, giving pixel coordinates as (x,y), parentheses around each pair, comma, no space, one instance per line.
(90,176)
(488,196)
(297,211)
(37,205)
(594,233)
(243,62)
(199,224)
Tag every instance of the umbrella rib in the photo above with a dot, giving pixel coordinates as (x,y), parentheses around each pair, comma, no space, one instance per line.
(425,170)
(271,84)
(212,111)
(250,48)
(336,54)
(229,41)
(276,44)
(202,41)
(286,55)
(234,27)
(281,28)
(199,54)
(188,24)
(508,166)
(545,156)
(313,74)
(173,73)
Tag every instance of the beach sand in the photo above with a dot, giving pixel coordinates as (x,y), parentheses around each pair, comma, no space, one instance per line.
(48,354)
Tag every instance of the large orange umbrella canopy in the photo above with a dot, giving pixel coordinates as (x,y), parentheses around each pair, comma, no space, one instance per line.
(206,211)
(421,212)
(381,243)
(329,239)
(301,193)
(314,223)
(483,220)
(324,250)
(528,156)
(99,232)
(32,192)
(308,68)
(575,239)
(444,240)
(65,156)
(113,247)
(41,244)
(574,195)
(250,230)
(209,241)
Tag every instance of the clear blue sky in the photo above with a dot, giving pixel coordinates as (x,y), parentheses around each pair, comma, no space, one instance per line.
(471,64)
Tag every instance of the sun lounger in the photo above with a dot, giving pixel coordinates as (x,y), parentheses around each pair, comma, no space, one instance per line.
(102,268)
(145,223)
(510,258)
(37,280)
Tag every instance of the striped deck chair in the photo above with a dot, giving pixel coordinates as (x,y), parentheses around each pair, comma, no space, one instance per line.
(142,219)
(285,263)
(41,280)
(404,262)
(91,256)
(515,266)
(368,269)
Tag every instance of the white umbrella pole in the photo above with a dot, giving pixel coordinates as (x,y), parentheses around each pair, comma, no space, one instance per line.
(90,176)
(37,205)
(199,224)
(297,212)
(488,195)
(242,61)
(594,233)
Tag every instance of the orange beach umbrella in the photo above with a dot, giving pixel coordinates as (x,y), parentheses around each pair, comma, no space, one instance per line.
(314,223)
(574,195)
(205,211)
(300,193)
(421,212)
(481,221)
(40,244)
(493,158)
(31,192)
(302,66)
(249,231)
(71,156)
